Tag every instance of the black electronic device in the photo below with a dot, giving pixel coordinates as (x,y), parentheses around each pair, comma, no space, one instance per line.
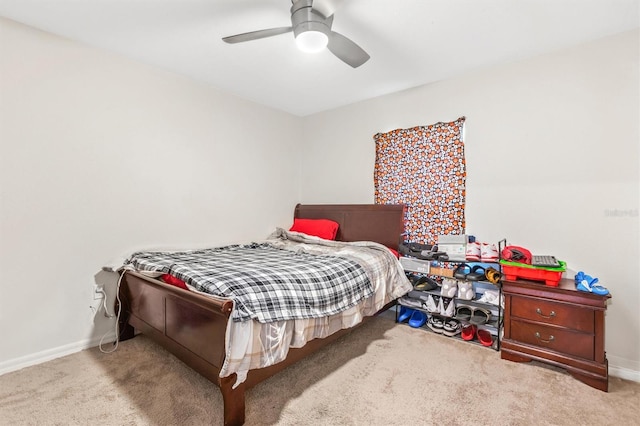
(545,261)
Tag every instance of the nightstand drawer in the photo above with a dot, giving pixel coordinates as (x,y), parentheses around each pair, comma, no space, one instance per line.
(560,340)
(540,310)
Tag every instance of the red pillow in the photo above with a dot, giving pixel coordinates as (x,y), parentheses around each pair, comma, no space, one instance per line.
(170,279)
(395,252)
(323,228)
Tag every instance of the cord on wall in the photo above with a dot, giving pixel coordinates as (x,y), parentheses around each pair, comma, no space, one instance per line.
(104,303)
(117,316)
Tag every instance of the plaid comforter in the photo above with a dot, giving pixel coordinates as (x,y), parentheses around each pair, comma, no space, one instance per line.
(267,283)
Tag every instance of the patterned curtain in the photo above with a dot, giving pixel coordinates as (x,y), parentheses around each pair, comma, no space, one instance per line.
(423,168)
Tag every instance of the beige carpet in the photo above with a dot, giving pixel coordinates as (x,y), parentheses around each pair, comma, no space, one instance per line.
(380,374)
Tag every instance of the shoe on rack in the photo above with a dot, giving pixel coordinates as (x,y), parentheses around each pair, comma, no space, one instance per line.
(435,324)
(464,312)
(418,319)
(461,271)
(425,284)
(474,251)
(451,327)
(490,296)
(488,253)
(477,273)
(493,275)
(434,255)
(480,316)
(414,249)
(485,337)
(469,332)
(447,307)
(432,305)
(465,290)
(411,302)
(449,287)
(405,314)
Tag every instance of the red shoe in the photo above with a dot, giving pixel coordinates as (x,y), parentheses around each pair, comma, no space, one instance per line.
(469,332)
(474,251)
(485,337)
(488,253)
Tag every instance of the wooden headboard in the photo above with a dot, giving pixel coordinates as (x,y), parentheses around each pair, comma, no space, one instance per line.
(382,223)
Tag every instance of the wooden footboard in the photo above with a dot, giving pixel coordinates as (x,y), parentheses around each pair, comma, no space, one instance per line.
(189,325)
(192,326)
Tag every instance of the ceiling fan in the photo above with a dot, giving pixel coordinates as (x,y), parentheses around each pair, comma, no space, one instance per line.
(312,30)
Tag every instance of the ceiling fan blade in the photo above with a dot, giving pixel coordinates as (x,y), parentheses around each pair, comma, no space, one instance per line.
(346,50)
(255,35)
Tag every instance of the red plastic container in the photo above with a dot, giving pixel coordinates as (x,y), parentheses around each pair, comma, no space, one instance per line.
(551,277)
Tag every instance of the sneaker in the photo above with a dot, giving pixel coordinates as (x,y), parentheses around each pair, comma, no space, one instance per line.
(449,287)
(489,253)
(451,327)
(465,290)
(432,305)
(473,251)
(435,324)
(490,296)
(447,307)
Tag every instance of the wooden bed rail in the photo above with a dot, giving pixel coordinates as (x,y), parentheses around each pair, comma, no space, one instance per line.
(225,305)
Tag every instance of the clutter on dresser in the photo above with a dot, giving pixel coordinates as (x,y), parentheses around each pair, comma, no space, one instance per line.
(518,263)
(589,284)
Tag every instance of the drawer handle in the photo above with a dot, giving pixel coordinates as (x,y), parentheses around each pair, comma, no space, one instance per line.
(551,338)
(551,314)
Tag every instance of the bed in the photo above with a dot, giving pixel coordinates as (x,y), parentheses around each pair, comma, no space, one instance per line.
(199,329)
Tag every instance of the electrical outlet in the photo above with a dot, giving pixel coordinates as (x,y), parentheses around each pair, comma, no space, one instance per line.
(98,292)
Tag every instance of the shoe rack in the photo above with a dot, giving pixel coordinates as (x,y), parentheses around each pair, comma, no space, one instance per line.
(436,304)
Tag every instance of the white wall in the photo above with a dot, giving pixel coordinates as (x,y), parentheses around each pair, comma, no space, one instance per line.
(552,161)
(99,154)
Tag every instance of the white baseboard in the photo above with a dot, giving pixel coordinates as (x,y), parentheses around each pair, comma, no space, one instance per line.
(50,354)
(624,368)
(624,373)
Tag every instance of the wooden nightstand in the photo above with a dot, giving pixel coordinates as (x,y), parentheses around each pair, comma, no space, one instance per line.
(560,326)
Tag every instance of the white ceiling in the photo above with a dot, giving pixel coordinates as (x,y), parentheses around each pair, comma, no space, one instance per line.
(411,42)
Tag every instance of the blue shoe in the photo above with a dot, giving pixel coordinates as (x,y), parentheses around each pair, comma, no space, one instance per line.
(418,319)
(589,284)
(405,314)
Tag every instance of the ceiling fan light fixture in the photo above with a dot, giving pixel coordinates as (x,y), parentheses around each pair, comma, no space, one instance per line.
(312,41)
(313,33)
